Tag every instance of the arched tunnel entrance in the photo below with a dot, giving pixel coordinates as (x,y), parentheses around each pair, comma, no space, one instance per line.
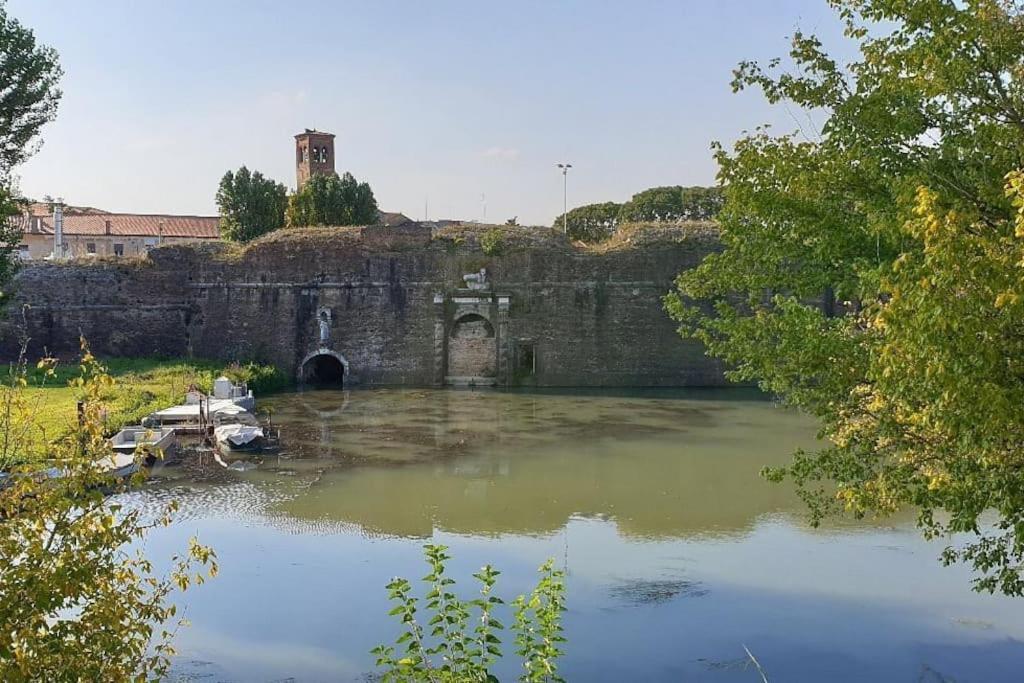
(323,368)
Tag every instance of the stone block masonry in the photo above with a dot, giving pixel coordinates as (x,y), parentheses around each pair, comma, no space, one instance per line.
(545,313)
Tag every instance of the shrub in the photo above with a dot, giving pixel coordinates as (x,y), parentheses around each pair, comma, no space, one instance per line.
(466,654)
(259,377)
(492,242)
(78,602)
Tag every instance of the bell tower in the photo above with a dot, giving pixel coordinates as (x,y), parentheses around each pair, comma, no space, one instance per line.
(314,153)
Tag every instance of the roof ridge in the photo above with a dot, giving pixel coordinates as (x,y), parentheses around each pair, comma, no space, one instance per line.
(146,215)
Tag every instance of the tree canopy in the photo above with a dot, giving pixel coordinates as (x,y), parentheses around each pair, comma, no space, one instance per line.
(29,74)
(597,222)
(908,205)
(29,95)
(590,223)
(327,199)
(250,205)
(674,203)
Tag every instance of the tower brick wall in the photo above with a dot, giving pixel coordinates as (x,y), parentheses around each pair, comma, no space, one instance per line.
(314,153)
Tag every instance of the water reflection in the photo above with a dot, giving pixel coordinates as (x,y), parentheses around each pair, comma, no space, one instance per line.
(494,463)
(678,552)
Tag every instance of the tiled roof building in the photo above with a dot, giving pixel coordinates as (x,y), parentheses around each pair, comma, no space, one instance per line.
(110,234)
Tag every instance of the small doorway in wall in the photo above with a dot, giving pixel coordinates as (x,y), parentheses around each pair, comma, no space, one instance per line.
(526,358)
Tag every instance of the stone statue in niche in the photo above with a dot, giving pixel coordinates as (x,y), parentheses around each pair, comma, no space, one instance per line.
(476,280)
(324,318)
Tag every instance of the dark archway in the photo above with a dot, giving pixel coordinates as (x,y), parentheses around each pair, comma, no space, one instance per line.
(324,368)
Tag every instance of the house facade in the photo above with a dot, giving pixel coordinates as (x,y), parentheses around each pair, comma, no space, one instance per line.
(109,234)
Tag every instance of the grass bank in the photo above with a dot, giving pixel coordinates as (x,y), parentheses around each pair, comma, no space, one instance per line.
(141,386)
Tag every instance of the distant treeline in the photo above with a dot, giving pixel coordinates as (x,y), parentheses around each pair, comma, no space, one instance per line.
(596,222)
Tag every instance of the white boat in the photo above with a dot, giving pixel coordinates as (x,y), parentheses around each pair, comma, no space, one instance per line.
(153,440)
(238,430)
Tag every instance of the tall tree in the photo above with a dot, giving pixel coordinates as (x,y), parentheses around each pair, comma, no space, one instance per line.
(327,199)
(250,205)
(673,203)
(701,203)
(29,96)
(591,222)
(908,204)
(11,231)
(29,74)
(653,204)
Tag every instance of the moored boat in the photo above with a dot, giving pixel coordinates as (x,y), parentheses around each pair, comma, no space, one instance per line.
(155,441)
(238,431)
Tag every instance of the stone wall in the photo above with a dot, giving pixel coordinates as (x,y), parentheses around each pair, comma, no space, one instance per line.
(556,315)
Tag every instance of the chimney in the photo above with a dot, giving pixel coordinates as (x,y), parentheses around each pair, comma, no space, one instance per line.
(106,227)
(58,229)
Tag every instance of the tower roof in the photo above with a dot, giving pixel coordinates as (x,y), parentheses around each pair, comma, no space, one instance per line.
(314,131)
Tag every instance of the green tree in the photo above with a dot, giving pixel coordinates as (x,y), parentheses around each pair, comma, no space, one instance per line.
(674,203)
(29,95)
(327,199)
(78,602)
(590,223)
(29,74)
(10,235)
(908,206)
(250,205)
(701,203)
(653,204)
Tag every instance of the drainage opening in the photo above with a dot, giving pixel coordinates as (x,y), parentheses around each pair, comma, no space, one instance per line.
(323,369)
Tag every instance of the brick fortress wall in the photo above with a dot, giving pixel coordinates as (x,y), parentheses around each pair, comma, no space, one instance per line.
(547,313)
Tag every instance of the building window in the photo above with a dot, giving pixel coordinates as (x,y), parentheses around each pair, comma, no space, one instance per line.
(323,155)
(90,247)
(305,153)
(118,249)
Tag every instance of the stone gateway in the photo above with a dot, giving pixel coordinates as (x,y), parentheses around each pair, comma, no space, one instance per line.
(386,306)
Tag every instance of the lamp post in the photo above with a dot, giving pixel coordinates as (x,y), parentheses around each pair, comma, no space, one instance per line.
(565,194)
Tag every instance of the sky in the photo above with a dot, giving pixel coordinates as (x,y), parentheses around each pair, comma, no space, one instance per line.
(448,109)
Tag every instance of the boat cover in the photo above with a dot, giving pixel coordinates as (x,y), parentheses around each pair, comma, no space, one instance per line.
(237,434)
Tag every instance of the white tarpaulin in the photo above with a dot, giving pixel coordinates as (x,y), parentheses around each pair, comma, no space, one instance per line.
(236,434)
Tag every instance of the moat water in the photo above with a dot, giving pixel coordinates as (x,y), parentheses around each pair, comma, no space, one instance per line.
(678,554)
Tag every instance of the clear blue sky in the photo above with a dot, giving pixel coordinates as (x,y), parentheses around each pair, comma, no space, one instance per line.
(439,101)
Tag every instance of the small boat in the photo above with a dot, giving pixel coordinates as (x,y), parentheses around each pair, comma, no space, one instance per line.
(155,441)
(238,431)
(121,465)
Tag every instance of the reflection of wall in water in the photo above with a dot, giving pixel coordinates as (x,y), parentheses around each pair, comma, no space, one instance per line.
(507,463)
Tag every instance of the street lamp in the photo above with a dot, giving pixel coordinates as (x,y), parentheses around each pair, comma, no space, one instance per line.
(565,186)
